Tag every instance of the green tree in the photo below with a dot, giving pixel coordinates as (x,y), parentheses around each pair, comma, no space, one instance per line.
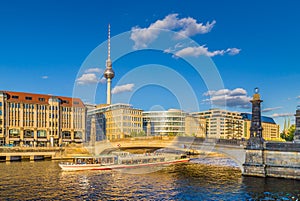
(289,134)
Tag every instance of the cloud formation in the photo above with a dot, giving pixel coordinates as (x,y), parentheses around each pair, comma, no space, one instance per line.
(283,115)
(45,77)
(87,78)
(122,88)
(203,50)
(270,109)
(184,26)
(230,98)
(93,70)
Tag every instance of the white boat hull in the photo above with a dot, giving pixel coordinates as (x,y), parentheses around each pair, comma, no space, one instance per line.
(78,167)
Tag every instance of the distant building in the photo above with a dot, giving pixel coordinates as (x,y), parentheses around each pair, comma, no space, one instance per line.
(222,124)
(172,122)
(270,128)
(297,121)
(114,121)
(28,119)
(164,123)
(195,126)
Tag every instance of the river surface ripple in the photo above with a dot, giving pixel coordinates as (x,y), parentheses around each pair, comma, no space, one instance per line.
(191,181)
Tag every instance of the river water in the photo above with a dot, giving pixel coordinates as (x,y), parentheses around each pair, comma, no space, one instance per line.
(191,181)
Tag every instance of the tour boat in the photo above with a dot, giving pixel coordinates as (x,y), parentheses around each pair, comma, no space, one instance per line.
(122,160)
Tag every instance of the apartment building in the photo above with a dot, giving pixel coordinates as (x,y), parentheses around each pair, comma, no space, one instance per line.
(222,124)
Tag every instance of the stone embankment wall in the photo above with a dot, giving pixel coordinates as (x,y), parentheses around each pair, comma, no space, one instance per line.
(274,160)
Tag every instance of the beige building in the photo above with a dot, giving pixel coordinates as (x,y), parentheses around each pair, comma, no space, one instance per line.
(195,126)
(270,128)
(114,121)
(28,119)
(222,124)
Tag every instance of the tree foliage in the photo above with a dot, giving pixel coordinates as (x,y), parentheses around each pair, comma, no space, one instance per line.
(288,134)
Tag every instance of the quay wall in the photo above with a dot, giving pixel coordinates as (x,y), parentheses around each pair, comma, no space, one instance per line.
(40,153)
(274,160)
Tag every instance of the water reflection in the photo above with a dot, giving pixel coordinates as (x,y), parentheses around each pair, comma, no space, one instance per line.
(44,180)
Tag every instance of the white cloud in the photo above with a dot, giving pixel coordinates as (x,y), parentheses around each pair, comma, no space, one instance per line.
(185,26)
(93,70)
(102,80)
(45,77)
(122,88)
(231,98)
(234,92)
(203,50)
(270,109)
(87,78)
(282,115)
(233,51)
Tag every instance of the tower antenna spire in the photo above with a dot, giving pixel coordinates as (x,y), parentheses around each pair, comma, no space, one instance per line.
(108,45)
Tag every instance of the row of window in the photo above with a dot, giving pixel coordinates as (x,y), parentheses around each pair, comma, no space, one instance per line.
(28,98)
(40,107)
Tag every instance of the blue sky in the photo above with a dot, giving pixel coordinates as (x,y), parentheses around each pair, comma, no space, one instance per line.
(52,47)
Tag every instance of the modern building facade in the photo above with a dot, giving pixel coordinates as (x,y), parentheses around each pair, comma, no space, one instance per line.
(115,121)
(271,130)
(28,119)
(172,122)
(222,124)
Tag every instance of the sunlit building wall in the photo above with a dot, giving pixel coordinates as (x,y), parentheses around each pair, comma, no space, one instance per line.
(28,119)
(222,124)
(271,130)
(195,126)
(114,121)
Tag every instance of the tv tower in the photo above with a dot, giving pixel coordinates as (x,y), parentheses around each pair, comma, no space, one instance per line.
(109,73)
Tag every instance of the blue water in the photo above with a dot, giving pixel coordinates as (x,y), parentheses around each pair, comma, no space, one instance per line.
(190,181)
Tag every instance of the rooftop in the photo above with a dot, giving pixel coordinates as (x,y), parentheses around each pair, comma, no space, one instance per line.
(32,98)
(247,116)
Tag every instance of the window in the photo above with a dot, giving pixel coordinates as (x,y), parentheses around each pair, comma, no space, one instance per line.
(28,134)
(28,98)
(76,103)
(78,135)
(15,97)
(14,133)
(0,104)
(66,134)
(1,121)
(65,101)
(41,134)
(0,112)
(42,99)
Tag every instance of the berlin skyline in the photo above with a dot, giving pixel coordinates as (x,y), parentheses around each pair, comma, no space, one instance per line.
(252,44)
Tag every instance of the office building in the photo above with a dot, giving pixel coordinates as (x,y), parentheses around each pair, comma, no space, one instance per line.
(172,122)
(114,121)
(28,119)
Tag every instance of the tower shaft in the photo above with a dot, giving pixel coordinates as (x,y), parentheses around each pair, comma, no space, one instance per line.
(108,91)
